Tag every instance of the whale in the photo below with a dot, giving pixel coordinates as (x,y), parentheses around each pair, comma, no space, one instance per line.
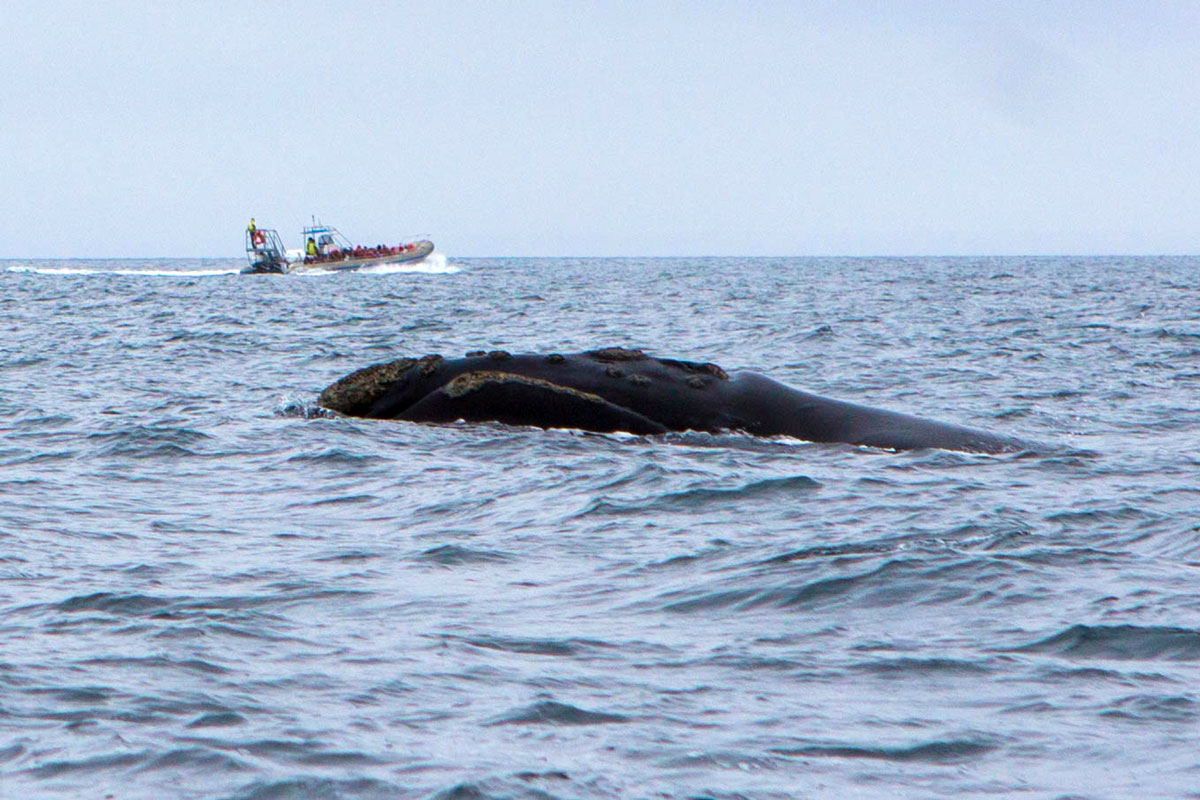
(619,389)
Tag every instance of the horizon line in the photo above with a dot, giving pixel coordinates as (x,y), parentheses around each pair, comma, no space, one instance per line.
(686,255)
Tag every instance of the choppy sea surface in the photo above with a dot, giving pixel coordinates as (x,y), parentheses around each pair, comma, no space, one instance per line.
(208,589)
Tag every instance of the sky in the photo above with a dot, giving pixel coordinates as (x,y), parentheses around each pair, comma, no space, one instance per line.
(527,128)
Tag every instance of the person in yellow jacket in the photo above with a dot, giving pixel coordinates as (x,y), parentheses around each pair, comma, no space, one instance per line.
(311,248)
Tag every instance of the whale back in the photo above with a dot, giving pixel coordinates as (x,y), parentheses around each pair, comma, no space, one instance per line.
(619,389)
(677,395)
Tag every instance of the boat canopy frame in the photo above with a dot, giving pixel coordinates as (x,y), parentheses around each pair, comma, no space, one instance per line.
(326,237)
(265,250)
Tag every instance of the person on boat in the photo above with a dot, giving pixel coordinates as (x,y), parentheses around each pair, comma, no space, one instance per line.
(258,239)
(311,247)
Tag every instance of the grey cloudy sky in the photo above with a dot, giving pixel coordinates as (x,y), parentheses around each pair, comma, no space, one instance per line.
(602,128)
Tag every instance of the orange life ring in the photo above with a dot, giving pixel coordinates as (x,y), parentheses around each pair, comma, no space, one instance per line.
(259,237)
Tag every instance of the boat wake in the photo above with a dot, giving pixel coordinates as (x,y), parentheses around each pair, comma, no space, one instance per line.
(434,264)
(100,269)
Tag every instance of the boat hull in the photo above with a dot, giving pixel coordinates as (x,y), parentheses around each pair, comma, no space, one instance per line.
(265,268)
(420,250)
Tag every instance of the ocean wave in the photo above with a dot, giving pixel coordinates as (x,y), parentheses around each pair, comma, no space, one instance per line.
(319,788)
(148,441)
(1121,642)
(700,497)
(549,712)
(948,751)
(451,555)
(1152,708)
(540,647)
(212,589)
(895,582)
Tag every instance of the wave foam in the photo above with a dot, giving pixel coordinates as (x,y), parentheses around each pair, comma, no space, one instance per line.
(169,273)
(433,264)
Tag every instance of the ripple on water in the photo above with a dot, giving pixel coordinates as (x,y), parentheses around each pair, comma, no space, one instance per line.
(700,498)
(121,760)
(319,788)
(922,667)
(216,589)
(451,555)
(1151,708)
(334,457)
(218,719)
(942,751)
(1121,642)
(550,712)
(148,441)
(903,582)
(540,647)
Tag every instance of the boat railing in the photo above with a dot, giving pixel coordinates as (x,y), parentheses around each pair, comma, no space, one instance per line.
(263,246)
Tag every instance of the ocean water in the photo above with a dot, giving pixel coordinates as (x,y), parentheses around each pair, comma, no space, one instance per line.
(210,589)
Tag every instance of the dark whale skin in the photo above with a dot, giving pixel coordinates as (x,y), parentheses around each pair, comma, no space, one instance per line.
(618,389)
